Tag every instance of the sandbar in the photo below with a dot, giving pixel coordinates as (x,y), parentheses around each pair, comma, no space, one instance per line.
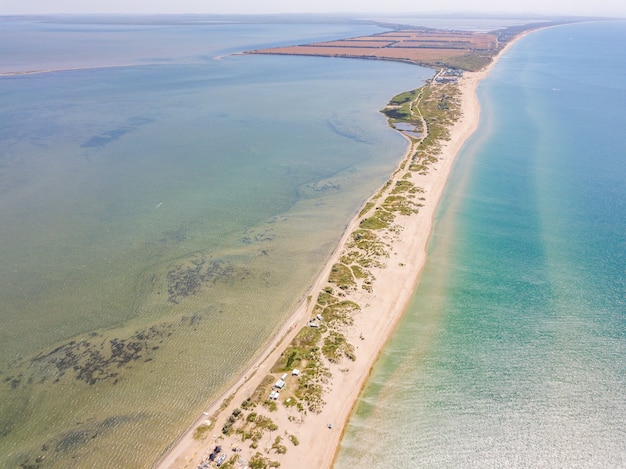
(297,436)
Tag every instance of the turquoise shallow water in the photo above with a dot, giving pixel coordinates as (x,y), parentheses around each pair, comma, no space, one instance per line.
(161,219)
(513,352)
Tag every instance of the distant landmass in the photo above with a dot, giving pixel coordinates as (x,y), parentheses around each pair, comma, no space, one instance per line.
(465,50)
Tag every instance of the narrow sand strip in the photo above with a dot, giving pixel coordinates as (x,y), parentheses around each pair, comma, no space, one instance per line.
(380,312)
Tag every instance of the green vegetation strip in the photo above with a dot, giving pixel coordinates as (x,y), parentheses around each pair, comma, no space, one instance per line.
(323,341)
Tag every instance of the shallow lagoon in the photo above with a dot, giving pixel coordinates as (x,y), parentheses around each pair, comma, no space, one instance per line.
(160,220)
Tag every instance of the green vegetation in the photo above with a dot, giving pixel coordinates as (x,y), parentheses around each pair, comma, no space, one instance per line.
(369,247)
(404,186)
(356,256)
(399,108)
(201,432)
(432,109)
(265,423)
(368,206)
(226,402)
(258,461)
(262,391)
(290,359)
(311,382)
(340,314)
(380,193)
(472,61)
(230,463)
(335,346)
(397,113)
(438,106)
(403,98)
(228,426)
(400,204)
(302,348)
(326,297)
(253,427)
(277,447)
(358,272)
(292,402)
(381,219)
(363,235)
(341,276)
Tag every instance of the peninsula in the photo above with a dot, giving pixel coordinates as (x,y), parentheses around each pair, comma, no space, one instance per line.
(290,408)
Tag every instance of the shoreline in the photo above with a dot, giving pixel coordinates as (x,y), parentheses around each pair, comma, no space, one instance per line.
(380,310)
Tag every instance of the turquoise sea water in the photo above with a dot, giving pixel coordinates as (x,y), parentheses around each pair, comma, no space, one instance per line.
(513,352)
(160,218)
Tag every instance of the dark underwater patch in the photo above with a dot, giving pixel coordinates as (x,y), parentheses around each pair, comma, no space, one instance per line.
(103,139)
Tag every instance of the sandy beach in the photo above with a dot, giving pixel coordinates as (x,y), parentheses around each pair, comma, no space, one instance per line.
(309,439)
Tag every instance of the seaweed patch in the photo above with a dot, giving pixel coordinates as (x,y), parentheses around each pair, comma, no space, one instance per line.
(187,279)
(95,358)
(103,139)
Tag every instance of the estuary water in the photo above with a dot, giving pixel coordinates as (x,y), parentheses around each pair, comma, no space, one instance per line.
(163,207)
(513,351)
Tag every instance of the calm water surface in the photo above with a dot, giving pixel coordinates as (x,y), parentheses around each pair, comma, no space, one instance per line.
(160,219)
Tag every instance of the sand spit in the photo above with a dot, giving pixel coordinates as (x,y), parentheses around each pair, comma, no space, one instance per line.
(336,334)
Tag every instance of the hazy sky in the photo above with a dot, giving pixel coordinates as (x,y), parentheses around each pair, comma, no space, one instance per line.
(563,7)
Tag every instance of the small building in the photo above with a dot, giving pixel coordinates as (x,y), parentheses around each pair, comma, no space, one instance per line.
(295,372)
(446,80)
(274,395)
(284,377)
(280,384)
(319,317)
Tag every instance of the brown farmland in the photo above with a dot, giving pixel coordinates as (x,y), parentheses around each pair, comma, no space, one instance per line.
(431,48)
